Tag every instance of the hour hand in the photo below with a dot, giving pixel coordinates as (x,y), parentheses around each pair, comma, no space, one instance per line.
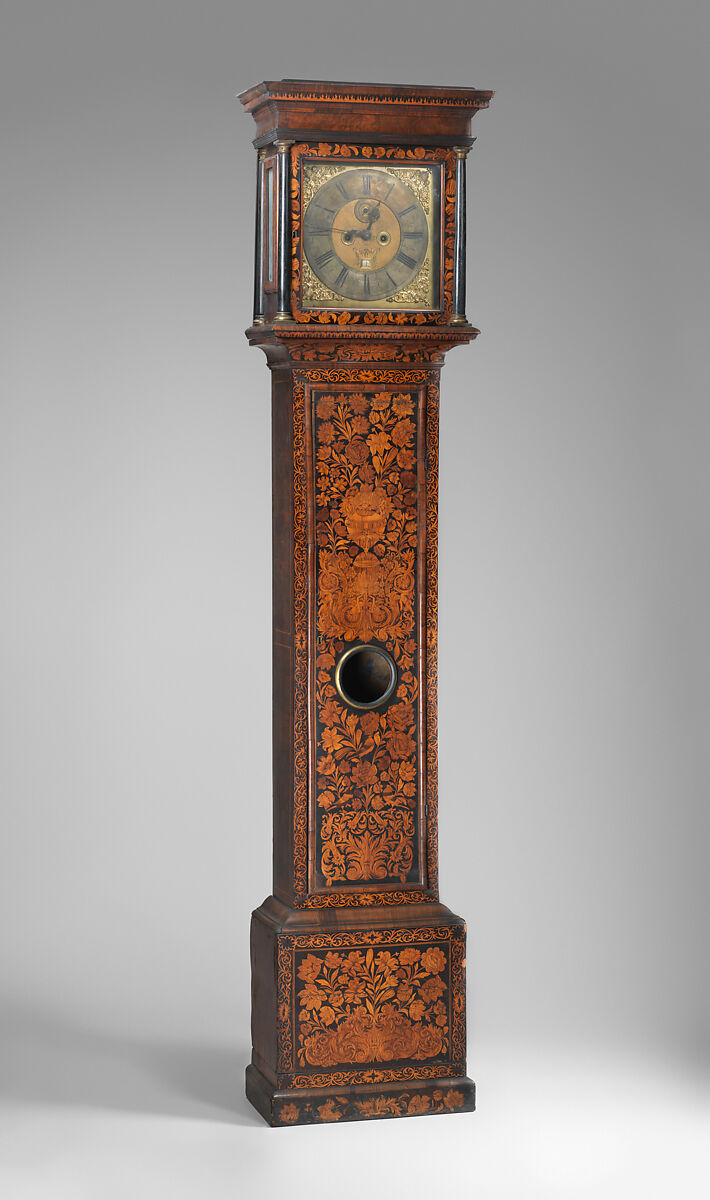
(349,234)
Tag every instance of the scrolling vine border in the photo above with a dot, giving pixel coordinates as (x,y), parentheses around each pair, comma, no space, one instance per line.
(401,154)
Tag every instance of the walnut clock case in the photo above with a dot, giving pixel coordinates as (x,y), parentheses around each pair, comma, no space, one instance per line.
(358,984)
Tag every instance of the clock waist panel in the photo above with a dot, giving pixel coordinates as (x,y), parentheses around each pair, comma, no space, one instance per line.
(367,526)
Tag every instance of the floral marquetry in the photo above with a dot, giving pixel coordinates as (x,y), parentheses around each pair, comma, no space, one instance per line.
(416,1102)
(365,1007)
(369,1007)
(364,511)
(367,473)
(410,164)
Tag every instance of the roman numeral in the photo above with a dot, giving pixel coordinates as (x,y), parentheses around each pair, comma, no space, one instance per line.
(366,183)
(394,285)
(325,208)
(366,284)
(403,213)
(404,258)
(341,189)
(341,278)
(313,232)
(325,258)
(389,189)
(413,233)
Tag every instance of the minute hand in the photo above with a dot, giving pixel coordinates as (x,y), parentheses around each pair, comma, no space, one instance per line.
(361,233)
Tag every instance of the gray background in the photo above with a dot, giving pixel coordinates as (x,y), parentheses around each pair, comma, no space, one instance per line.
(574,592)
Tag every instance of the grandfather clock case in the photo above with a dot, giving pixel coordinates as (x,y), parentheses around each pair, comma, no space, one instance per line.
(358,969)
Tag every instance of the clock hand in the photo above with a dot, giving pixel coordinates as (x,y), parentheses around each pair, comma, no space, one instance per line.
(373,214)
(361,233)
(366,234)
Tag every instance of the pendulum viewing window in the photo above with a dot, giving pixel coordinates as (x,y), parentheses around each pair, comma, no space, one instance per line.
(365,676)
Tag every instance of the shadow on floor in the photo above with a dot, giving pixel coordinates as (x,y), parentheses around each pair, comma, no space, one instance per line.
(45,1059)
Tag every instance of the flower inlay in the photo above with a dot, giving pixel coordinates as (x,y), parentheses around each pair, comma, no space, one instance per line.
(366,480)
(366,1006)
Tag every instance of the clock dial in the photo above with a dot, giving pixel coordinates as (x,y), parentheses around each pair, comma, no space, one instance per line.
(365,234)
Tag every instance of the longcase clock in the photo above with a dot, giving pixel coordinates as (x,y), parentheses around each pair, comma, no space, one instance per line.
(358,985)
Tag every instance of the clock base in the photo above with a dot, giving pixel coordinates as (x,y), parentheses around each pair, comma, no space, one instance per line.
(357,1015)
(364,1102)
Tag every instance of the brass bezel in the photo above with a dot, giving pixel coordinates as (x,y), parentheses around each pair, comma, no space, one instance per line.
(346,656)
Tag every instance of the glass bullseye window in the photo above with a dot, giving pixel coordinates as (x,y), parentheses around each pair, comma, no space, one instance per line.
(365,676)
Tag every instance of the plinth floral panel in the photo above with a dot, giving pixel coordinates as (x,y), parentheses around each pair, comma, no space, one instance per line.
(398,1102)
(371,1007)
(367,489)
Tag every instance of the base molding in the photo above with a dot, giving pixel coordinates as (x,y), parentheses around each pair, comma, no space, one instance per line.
(364,1102)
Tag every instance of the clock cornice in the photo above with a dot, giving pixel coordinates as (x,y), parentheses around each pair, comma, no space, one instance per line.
(376,112)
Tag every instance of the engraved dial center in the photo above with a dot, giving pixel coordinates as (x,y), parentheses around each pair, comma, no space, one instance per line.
(369,244)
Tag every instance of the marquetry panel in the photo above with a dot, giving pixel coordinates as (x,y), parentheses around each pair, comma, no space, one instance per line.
(369,479)
(371,1007)
(381,156)
(365,447)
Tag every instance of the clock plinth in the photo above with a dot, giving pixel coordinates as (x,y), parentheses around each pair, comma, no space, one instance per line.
(358,971)
(375,981)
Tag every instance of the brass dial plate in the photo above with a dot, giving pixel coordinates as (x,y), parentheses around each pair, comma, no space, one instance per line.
(370,236)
